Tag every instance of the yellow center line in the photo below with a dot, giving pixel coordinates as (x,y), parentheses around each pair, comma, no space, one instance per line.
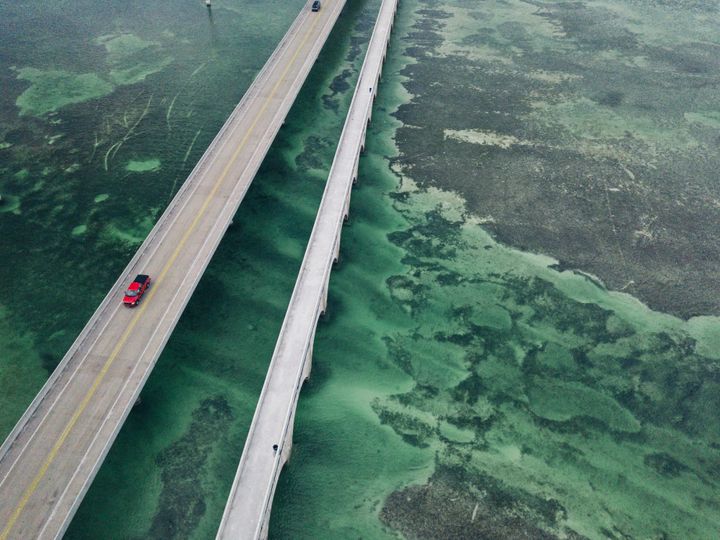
(118,347)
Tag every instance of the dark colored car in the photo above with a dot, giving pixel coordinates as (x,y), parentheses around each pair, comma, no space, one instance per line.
(136,289)
(316,5)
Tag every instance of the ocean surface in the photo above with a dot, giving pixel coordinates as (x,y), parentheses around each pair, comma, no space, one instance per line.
(468,380)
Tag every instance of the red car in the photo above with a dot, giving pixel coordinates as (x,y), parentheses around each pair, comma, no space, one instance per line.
(136,289)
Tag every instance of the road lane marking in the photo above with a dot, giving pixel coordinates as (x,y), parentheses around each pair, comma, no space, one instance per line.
(118,347)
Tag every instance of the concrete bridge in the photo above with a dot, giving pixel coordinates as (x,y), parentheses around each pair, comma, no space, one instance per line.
(267,447)
(52,455)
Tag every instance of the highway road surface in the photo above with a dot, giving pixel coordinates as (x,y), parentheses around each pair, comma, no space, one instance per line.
(49,460)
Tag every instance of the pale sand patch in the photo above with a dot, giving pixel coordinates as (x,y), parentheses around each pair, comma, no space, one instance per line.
(555,77)
(485,138)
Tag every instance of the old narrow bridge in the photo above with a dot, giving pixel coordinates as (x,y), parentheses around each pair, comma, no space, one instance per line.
(268,444)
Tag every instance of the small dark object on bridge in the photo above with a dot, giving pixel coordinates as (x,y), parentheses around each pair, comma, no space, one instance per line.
(316,5)
(275,447)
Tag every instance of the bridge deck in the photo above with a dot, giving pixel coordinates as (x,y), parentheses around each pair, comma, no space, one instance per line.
(267,446)
(54,452)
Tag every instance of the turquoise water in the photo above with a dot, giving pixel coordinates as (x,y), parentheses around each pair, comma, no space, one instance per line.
(460,387)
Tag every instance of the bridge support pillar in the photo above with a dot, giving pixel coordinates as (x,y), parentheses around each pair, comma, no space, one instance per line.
(324,296)
(288,442)
(346,209)
(336,253)
(308,361)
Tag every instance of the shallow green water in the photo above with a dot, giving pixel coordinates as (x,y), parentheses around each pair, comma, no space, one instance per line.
(459,388)
(462,389)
